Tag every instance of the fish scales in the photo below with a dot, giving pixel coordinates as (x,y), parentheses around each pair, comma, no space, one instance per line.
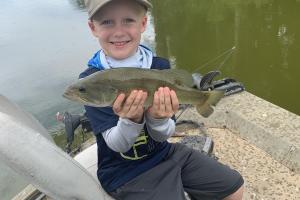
(101,88)
(173,76)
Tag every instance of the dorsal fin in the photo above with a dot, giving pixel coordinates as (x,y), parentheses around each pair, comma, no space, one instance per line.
(181,77)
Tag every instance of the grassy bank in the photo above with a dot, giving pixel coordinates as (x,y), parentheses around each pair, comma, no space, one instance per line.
(80,137)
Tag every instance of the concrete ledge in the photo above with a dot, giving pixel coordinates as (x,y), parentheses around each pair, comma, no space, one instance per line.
(267,126)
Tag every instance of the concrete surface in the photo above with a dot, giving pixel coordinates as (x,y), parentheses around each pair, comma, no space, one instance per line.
(265,178)
(267,126)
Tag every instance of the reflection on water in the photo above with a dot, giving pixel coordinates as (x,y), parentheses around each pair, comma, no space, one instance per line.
(43,48)
(264,32)
(44,45)
(47,44)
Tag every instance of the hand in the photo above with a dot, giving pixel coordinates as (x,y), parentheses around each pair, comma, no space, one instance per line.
(165,104)
(131,107)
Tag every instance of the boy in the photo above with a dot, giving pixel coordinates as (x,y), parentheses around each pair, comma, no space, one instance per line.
(135,161)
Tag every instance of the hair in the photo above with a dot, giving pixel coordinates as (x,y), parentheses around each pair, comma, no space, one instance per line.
(140,10)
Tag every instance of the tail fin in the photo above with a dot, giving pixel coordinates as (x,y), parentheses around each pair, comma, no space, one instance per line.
(206,109)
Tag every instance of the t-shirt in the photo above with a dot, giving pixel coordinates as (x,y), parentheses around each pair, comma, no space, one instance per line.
(115,168)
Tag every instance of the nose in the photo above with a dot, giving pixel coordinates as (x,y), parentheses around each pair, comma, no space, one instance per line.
(119,30)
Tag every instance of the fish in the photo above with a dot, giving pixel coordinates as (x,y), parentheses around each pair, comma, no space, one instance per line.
(101,88)
(25,150)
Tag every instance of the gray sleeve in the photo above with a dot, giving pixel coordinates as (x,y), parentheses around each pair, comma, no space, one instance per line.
(121,138)
(160,129)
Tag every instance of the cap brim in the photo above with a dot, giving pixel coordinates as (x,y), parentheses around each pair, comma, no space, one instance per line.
(93,12)
(147,4)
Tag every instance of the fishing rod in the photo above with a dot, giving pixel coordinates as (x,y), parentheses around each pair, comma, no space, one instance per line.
(205,82)
(229,52)
(207,79)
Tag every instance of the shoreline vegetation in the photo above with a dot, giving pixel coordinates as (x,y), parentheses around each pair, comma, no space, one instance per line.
(80,140)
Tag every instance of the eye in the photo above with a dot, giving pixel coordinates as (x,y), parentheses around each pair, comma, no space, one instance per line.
(82,89)
(128,21)
(107,22)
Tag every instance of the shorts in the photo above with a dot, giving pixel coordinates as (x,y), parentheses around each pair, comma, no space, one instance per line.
(183,170)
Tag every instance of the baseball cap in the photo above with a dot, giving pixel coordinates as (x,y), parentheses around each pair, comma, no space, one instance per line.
(94,5)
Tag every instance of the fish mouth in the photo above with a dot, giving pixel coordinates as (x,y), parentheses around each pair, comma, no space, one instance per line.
(67,95)
(71,97)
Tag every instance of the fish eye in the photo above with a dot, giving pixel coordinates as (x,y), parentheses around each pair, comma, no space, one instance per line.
(82,89)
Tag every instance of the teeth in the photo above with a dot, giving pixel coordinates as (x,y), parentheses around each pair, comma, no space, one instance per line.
(119,43)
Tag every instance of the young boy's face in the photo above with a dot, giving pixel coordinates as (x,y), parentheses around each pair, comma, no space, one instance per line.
(119,26)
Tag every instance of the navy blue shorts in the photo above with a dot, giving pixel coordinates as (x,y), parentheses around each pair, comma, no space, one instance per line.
(183,170)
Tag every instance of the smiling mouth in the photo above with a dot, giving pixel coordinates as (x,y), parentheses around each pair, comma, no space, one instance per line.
(120,44)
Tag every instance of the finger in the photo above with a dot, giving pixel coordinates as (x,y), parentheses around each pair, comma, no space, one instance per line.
(117,106)
(129,101)
(136,110)
(144,98)
(142,102)
(137,100)
(162,106)
(155,103)
(168,103)
(174,100)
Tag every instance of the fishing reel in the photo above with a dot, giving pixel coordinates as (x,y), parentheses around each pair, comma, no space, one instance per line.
(206,83)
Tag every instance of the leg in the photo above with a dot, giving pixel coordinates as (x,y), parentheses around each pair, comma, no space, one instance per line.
(238,195)
(205,178)
(160,183)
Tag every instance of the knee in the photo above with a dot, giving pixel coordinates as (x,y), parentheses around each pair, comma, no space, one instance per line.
(237,195)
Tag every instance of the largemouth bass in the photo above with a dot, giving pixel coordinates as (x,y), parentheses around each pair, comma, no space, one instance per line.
(101,88)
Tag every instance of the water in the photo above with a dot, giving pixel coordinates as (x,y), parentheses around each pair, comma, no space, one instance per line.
(266,34)
(44,45)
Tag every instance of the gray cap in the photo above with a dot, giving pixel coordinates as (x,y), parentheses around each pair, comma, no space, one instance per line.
(94,5)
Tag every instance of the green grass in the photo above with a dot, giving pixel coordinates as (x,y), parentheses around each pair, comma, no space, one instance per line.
(80,137)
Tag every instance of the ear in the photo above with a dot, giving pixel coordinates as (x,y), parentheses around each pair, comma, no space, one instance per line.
(144,23)
(92,27)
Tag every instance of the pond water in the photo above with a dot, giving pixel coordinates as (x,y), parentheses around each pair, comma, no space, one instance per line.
(265,33)
(44,45)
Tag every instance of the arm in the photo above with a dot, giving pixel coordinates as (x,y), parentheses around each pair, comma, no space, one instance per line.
(131,121)
(160,129)
(121,137)
(158,117)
